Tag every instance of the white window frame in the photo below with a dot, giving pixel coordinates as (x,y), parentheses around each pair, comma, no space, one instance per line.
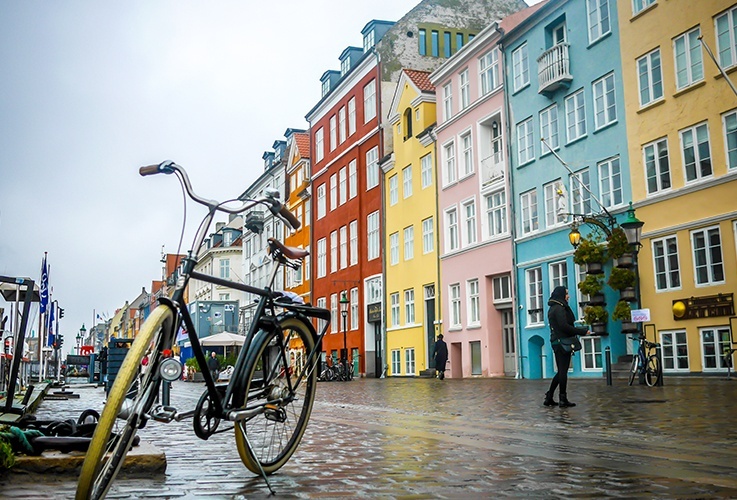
(354,309)
(352,179)
(454,292)
(333,191)
(640,5)
(671,344)
(599,19)
(409,361)
(407,181)
(322,265)
(369,101)
(452,240)
(426,170)
(663,264)
(394,249)
(558,274)
(575,105)
(692,59)
(726,45)
(721,341)
(650,78)
(353,233)
(464,85)
(343,242)
(520,67)
(534,296)
(393,190)
(333,251)
(341,125)
(691,135)
(321,201)
(502,289)
(605,101)
(428,235)
(469,233)
(580,198)
(372,168)
(333,132)
(319,145)
(708,253)
(730,139)
(549,129)
(591,354)
(447,101)
(496,214)
(342,186)
(551,207)
(394,309)
(409,306)
(529,223)
(351,116)
(409,242)
(489,71)
(525,146)
(450,171)
(396,362)
(474,302)
(653,161)
(467,145)
(610,194)
(372,232)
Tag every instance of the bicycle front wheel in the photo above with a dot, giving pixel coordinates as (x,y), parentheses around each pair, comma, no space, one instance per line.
(105,455)
(273,369)
(634,367)
(652,371)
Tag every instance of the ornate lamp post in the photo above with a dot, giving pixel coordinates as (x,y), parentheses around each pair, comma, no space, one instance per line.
(80,338)
(632,227)
(344,302)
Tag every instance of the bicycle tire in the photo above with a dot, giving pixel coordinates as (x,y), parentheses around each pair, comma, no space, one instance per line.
(105,456)
(634,368)
(652,371)
(275,441)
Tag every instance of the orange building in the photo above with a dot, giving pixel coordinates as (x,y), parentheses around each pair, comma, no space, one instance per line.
(298,201)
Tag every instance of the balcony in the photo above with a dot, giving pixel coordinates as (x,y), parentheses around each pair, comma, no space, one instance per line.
(553,69)
(254,221)
(492,169)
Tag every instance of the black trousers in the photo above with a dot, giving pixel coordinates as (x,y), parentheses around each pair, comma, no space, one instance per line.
(562,362)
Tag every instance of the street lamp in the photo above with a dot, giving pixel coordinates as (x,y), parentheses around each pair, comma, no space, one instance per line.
(632,229)
(574,237)
(344,312)
(80,338)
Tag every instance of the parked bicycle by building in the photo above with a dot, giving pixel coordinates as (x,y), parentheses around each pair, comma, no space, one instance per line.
(645,362)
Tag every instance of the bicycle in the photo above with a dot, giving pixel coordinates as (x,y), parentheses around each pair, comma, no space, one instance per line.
(269,396)
(645,363)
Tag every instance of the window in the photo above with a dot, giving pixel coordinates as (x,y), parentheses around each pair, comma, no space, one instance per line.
(465,96)
(428,236)
(489,69)
(394,308)
(459,40)
(372,226)
(610,182)
(451,219)
(319,145)
(372,168)
(558,274)
(322,258)
(343,247)
(667,269)
(496,213)
(334,327)
(549,127)
(354,310)
(333,132)
(369,101)
(353,232)
(657,167)
(446,43)
(528,202)
(581,297)
(534,296)
(342,191)
(605,108)
(333,251)
(674,350)
(394,249)
(467,143)
(396,362)
(474,302)
(341,124)
(707,255)
(321,323)
(422,41)
(502,288)
(426,170)
(333,192)
(550,192)
(455,305)
(225,268)
(369,39)
(650,77)
(409,307)
(450,163)
(598,13)
(730,138)
(352,116)
(393,190)
(520,68)
(409,242)
(447,102)
(580,197)
(696,153)
(639,5)
(726,34)
(352,179)
(409,361)
(575,116)
(713,342)
(434,44)
(321,201)
(689,65)
(525,147)
(407,182)
(591,359)
(469,222)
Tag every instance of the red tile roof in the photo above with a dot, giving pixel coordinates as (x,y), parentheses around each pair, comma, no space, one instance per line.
(303,143)
(421,79)
(511,21)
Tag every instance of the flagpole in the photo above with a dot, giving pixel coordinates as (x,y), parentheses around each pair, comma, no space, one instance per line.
(719,66)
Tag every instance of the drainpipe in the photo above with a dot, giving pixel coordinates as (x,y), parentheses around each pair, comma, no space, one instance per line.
(380,115)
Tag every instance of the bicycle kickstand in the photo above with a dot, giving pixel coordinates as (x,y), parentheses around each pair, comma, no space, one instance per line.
(263,474)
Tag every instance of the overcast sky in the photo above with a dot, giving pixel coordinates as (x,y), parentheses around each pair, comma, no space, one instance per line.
(90,91)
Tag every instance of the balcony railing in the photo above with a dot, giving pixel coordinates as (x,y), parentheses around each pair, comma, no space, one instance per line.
(553,69)
(492,169)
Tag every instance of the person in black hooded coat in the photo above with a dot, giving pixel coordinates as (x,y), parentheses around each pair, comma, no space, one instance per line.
(560,320)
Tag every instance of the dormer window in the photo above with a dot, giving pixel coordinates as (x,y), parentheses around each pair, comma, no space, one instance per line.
(407,123)
(345,65)
(325,87)
(227,238)
(368,41)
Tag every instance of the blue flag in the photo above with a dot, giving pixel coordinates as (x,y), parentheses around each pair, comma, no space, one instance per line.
(52,337)
(44,286)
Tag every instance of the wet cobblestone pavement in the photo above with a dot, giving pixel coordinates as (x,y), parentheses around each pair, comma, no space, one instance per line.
(482,438)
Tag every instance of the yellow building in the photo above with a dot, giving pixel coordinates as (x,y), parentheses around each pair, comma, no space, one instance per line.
(411,242)
(682,135)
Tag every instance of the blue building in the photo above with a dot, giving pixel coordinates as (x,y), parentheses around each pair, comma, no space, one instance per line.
(564,91)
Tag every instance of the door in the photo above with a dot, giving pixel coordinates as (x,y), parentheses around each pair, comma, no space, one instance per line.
(510,346)
(430,324)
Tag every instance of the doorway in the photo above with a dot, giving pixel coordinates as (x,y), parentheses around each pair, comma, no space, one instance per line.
(510,343)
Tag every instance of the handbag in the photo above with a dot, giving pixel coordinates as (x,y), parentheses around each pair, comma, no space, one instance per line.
(570,344)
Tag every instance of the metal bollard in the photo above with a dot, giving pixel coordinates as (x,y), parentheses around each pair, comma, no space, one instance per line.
(608,364)
(660,364)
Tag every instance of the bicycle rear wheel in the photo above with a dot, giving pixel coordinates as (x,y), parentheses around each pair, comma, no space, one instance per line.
(652,371)
(105,455)
(275,432)
(634,368)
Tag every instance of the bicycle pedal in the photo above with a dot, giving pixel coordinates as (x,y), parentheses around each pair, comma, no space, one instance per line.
(164,414)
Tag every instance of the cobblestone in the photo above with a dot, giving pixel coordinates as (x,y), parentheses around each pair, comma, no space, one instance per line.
(420,438)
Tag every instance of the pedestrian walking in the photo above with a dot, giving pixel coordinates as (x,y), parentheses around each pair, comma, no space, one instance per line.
(441,356)
(214,366)
(563,339)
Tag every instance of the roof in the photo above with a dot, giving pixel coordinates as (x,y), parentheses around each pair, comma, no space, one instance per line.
(511,21)
(421,79)
(303,144)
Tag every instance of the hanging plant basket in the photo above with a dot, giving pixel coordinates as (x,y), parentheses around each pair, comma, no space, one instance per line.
(628,294)
(599,328)
(626,260)
(594,268)
(629,327)
(597,299)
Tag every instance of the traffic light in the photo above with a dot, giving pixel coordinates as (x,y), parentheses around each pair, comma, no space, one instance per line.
(61,313)
(60,342)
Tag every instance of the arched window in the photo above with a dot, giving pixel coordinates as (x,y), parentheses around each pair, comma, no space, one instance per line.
(407,123)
